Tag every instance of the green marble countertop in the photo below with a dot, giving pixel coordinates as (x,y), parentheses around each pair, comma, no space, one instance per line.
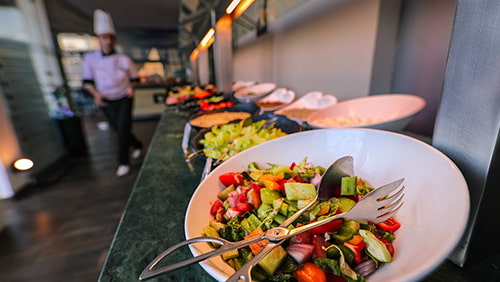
(154,216)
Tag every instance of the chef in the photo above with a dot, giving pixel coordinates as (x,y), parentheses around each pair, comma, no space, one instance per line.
(110,78)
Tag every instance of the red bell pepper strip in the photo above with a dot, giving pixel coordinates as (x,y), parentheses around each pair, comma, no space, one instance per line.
(356,249)
(234,178)
(390,224)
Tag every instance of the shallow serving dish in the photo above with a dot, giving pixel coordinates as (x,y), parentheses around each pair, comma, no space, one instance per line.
(250,108)
(436,204)
(388,111)
(278,121)
(307,104)
(276,100)
(254,93)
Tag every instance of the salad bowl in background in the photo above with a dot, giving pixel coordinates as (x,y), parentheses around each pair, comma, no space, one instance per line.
(276,100)
(388,112)
(254,93)
(436,202)
(307,104)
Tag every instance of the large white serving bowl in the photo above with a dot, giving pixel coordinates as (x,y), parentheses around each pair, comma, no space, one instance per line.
(436,201)
(388,111)
(254,93)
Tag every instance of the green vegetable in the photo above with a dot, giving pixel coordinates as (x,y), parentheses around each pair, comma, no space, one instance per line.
(348,185)
(224,193)
(264,210)
(217,225)
(375,247)
(348,229)
(299,191)
(250,223)
(228,139)
(346,204)
(210,231)
(230,254)
(272,261)
(268,196)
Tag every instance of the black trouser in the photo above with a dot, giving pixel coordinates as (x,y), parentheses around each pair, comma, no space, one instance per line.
(119,116)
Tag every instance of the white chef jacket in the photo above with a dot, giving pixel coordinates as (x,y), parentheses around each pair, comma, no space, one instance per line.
(110,74)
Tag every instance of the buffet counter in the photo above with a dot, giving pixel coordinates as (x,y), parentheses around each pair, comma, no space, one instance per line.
(154,216)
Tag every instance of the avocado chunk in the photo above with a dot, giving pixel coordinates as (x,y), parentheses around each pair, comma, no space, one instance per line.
(272,261)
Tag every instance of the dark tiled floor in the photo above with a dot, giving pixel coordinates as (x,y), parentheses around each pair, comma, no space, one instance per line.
(61,231)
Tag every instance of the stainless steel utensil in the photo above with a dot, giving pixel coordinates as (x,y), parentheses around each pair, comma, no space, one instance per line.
(377,206)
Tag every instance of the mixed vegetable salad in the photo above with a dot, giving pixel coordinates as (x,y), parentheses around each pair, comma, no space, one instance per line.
(258,199)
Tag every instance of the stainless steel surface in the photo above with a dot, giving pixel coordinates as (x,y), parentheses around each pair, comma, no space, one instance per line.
(375,207)
(468,123)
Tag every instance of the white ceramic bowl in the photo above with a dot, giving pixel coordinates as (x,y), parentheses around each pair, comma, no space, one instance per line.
(436,201)
(254,93)
(280,95)
(238,84)
(389,112)
(312,101)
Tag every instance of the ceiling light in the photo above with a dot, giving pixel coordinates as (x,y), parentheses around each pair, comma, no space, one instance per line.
(23,164)
(208,38)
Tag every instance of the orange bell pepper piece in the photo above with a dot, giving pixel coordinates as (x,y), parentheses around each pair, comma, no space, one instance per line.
(356,239)
(257,246)
(310,273)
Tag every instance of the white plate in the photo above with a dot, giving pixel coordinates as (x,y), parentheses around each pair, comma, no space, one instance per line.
(436,203)
(254,92)
(388,112)
(280,95)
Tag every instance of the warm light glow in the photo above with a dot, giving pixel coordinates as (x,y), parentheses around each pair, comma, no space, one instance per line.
(240,7)
(194,54)
(208,38)
(232,6)
(154,55)
(23,164)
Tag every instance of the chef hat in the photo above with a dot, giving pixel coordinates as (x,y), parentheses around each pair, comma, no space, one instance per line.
(103,23)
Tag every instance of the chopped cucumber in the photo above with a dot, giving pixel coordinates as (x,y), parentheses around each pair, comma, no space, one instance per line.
(272,261)
(268,196)
(299,191)
(375,247)
(348,185)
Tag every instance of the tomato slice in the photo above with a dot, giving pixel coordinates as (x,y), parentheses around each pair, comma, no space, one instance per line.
(216,206)
(390,224)
(319,244)
(389,245)
(302,238)
(234,178)
(356,249)
(332,226)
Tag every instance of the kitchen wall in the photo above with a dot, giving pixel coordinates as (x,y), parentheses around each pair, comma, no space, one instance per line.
(332,51)
(356,48)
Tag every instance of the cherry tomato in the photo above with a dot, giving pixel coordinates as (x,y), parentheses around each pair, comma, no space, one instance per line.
(309,272)
(234,178)
(332,226)
(390,224)
(216,206)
